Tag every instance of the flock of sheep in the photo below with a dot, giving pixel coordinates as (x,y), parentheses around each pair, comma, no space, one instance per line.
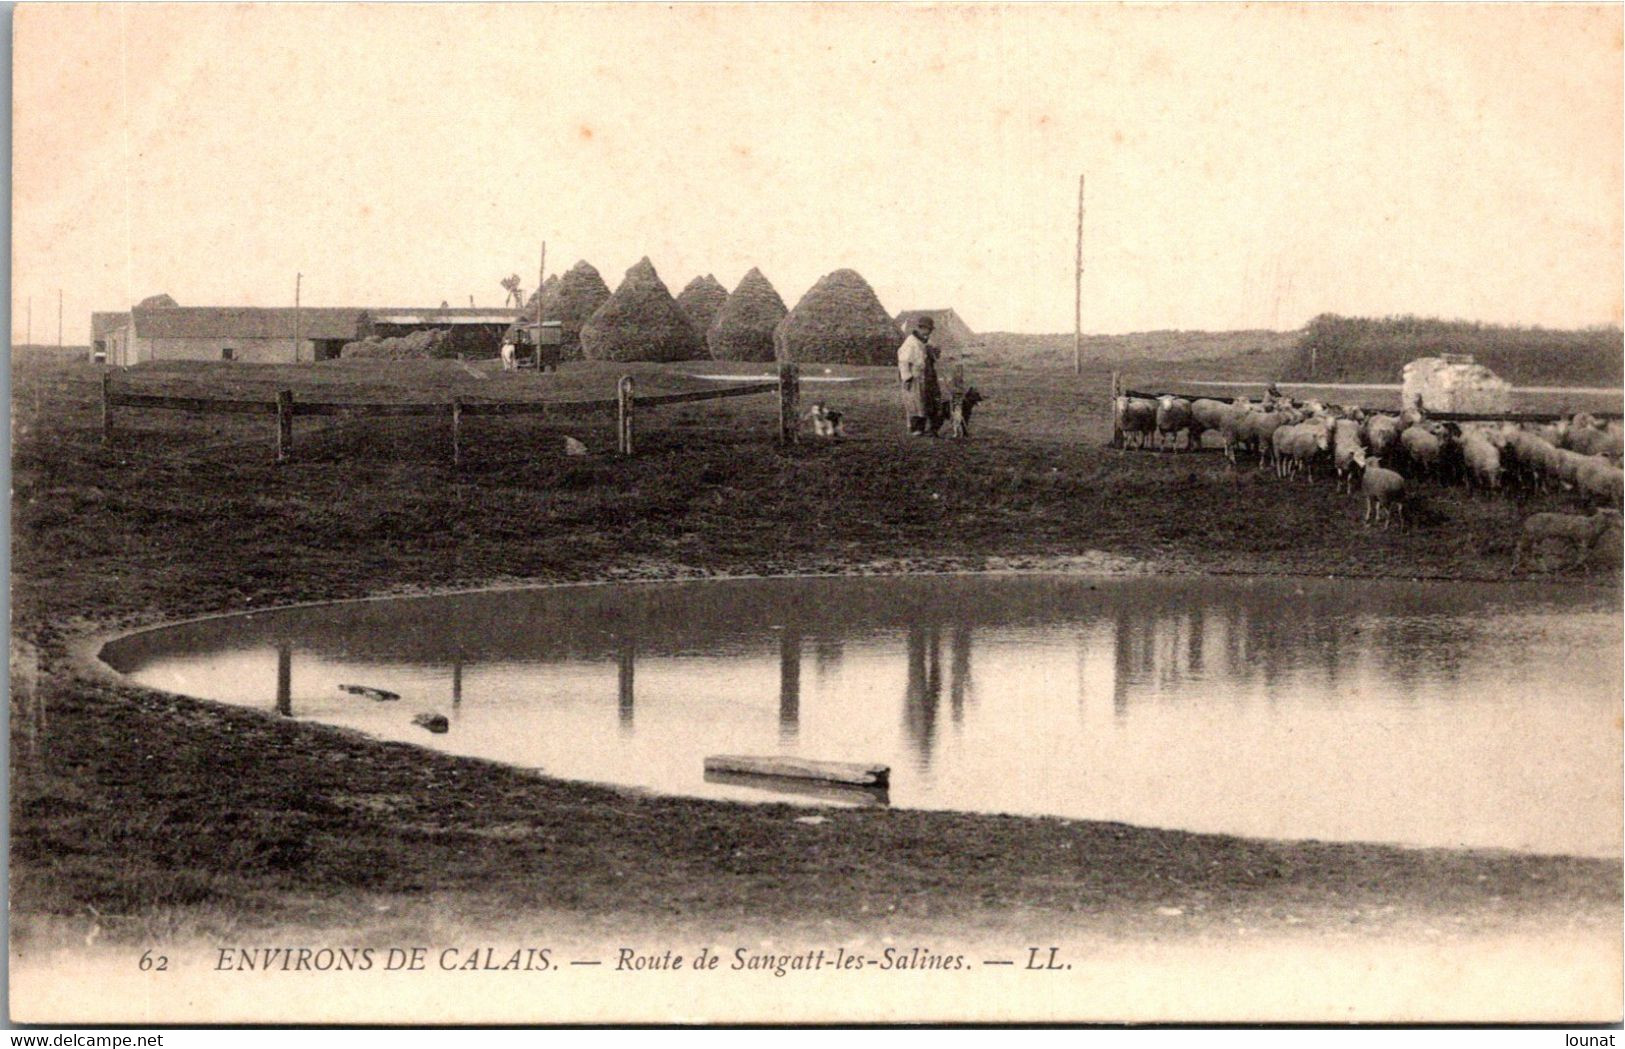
(1384,453)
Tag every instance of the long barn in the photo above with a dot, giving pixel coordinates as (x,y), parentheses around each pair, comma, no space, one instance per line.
(267,335)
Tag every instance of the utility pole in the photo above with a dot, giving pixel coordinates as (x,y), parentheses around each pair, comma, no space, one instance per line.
(59,318)
(1077,298)
(541,278)
(28,340)
(298,279)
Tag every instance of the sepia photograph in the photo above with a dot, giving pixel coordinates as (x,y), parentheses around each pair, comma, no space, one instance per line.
(816,514)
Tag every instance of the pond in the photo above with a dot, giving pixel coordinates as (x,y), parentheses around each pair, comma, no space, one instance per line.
(1419,713)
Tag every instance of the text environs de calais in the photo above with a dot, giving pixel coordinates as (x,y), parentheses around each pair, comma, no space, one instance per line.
(706,959)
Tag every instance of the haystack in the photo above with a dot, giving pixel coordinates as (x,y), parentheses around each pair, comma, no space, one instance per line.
(838,321)
(743,328)
(548,289)
(572,302)
(155,302)
(700,301)
(418,346)
(640,322)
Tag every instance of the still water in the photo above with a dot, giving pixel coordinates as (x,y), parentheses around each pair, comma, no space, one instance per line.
(1426,714)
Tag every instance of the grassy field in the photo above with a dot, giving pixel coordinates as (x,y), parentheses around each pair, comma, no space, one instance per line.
(181,818)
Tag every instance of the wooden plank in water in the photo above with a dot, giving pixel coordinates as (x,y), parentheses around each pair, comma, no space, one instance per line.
(800,768)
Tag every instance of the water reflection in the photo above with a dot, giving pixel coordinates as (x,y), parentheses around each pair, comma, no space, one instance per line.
(284,679)
(789,683)
(1387,711)
(626,656)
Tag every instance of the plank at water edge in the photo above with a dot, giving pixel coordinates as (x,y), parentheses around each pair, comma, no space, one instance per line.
(800,768)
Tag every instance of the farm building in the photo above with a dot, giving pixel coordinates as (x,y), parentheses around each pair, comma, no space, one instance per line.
(266,335)
(471,332)
(1454,383)
(951,333)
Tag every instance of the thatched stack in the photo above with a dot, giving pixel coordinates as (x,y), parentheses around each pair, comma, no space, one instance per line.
(549,288)
(573,300)
(640,322)
(157,302)
(700,302)
(743,328)
(418,346)
(838,321)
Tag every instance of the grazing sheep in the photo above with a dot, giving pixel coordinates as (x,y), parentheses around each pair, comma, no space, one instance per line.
(1483,461)
(1345,442)
(1424,448)
(1258,429)
(1583,533)
(1380,432)
(1601,481)
(1591,441)
(1209,414)
(1297,446)
(1173,416)
(1136,419)
(1384,491)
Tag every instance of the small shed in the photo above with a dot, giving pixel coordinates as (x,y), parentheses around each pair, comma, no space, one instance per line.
(1453,382)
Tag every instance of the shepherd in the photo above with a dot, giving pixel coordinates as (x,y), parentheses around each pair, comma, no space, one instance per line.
(917,371)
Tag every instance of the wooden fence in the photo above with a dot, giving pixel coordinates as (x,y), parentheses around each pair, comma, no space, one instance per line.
(285,408)
(1119,389)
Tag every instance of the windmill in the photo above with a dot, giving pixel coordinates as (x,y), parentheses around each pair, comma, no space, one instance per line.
(511,285)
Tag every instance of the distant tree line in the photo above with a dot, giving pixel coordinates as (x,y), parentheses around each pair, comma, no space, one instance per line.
(1375,349)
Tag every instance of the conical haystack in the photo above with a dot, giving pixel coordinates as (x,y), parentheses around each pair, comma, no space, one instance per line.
(700,302)
(640,322)
(838,321)
(572,301)
(743,328)
(548,290)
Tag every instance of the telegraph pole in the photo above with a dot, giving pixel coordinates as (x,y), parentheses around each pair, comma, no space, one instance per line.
(1077,298)
(298,279)
(541,278)
(29,339)
(59,318)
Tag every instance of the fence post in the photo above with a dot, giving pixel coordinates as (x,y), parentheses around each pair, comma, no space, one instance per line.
(789,402)
(284,425)
(1117,431)
(457,430)
(107,408)
(623,395)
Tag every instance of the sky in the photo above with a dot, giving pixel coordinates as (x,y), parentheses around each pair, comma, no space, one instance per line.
(1247,166)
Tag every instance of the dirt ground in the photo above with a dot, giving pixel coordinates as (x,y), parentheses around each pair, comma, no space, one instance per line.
(147,816)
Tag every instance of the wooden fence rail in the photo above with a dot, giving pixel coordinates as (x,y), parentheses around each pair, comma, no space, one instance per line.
(1120,390)
(285,408)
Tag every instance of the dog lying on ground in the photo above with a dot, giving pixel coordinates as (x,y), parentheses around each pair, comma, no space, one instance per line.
(826,421)
(958,411)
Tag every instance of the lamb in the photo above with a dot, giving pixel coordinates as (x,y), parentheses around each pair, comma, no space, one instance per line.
(1258,429)
(1383,489)
(1584,533)
(1136,418)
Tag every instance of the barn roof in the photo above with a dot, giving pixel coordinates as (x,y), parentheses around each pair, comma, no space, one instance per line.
(449,316)
(246,322)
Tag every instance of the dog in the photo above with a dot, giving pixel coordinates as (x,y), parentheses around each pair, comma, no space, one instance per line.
(958,411)
(826,421)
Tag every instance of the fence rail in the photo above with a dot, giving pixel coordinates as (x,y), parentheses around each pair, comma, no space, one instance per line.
(285,408)
(1120,390)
